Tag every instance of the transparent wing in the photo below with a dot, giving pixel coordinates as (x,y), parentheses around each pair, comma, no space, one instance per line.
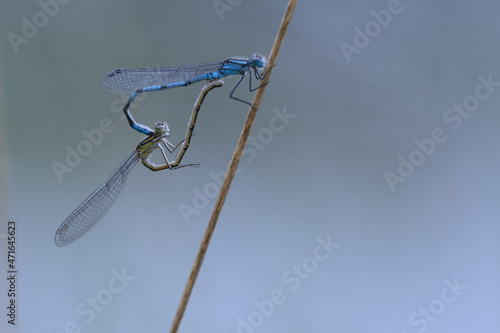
(125,81)
(92,210)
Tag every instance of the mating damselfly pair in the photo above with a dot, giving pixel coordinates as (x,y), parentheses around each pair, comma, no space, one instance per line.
(136,81)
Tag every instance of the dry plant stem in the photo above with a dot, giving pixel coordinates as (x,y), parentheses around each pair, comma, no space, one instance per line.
(232,167)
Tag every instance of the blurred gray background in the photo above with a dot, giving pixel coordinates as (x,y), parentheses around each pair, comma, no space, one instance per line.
(313,236)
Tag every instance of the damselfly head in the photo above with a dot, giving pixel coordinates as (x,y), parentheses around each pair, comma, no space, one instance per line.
(259,60)
(162,127)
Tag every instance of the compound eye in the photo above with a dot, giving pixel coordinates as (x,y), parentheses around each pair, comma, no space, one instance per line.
(161,127)
(259,60)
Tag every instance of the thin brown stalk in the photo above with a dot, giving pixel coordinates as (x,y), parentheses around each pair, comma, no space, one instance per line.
(233,166)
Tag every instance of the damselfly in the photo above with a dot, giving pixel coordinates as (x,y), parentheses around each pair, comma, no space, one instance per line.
(93,209)
(137,81)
